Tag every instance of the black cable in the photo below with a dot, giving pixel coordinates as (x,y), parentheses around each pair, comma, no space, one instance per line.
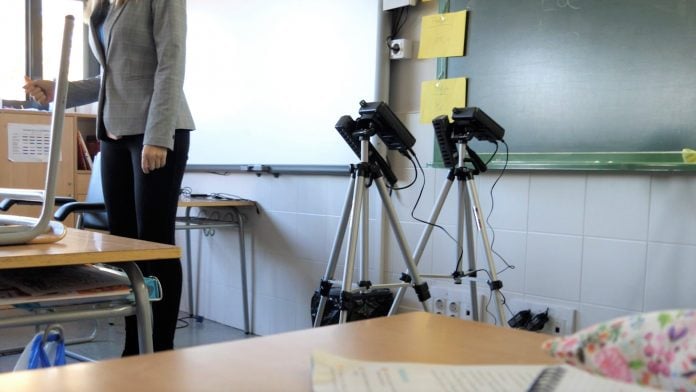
(399,18)
(415,205)
(182,320)
(493,154)
(420,193)
(408,156)
(505,301)
(490,213)
(490,298)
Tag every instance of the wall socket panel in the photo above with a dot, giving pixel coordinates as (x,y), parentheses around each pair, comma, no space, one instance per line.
(459,298)
(400,49)
(451,302)
(561,318)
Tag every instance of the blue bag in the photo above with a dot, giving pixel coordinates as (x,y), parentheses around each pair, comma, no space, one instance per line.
(46,349)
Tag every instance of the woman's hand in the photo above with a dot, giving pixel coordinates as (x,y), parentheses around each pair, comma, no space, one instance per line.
(40,90)
(153,158)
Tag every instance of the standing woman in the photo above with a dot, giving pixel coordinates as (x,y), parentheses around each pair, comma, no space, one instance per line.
(143,123)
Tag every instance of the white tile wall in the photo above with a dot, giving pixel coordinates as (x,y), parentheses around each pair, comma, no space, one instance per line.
(512,247)
(672,210)
(583,246)
(613,273)
(553,266)
(618,206)
(669,282)
(510,199)
(557,203)
(590,314)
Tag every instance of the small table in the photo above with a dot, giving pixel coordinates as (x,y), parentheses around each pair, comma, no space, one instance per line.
(88,247)
(282,362)
(188,223)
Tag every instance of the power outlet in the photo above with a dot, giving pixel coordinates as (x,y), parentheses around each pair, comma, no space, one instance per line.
(400,49)
(438,300)
(453,308)
(462,299)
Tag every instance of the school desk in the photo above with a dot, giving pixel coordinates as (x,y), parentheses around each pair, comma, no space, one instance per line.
(85,247)
(188,223)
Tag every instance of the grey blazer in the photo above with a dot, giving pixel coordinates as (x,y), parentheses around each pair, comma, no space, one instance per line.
(140,86)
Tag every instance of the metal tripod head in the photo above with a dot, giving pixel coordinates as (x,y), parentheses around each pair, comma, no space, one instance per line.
(364,136)
(466,154)
(346,127)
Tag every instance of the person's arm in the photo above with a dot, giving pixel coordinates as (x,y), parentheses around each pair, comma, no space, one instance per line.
(80,92)
(83,92)
(169,31)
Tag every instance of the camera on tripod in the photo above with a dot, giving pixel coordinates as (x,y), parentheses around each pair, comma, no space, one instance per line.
(467,123)
(376,118)
(367,299)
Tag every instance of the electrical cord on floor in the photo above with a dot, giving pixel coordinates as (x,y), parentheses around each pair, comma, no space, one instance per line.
(183,321)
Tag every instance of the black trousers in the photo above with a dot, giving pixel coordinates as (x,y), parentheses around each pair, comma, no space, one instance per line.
(143,206)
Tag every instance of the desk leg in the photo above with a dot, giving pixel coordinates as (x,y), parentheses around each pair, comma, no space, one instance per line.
(242,263)
(142,306)
(189,277)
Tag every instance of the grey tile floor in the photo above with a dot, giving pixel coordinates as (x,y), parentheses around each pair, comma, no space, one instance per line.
(108,342)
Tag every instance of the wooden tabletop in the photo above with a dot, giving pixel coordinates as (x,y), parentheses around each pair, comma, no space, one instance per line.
(214,202)
(282,362)
(80,247)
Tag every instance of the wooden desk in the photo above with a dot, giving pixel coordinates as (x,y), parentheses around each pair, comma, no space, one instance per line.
(282,362)
(85,247)
(188,223)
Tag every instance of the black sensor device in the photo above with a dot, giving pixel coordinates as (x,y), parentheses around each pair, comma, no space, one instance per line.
(473,122)
(378,116)
(346,128)
(448,149)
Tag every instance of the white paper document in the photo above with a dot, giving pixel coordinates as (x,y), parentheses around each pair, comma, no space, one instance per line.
(28,142)
(332,373)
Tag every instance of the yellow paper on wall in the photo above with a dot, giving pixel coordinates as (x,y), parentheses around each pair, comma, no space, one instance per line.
(438,97)
(442,35)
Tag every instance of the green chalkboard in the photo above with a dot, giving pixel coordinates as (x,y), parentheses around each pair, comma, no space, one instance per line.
(582,76)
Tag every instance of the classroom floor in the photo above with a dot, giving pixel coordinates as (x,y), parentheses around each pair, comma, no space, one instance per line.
(108,342)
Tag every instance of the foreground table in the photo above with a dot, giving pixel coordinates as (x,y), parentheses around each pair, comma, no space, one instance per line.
(282,362)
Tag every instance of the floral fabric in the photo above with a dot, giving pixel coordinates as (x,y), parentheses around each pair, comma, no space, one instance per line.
(655,349)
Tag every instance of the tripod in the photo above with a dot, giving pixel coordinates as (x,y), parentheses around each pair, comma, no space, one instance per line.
(356,215)
(469,211)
